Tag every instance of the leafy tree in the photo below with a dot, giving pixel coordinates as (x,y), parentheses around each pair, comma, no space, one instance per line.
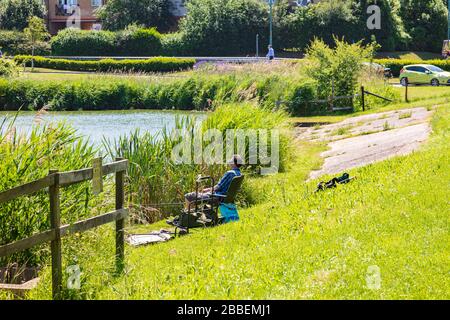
(35,32)
(392,34)
(339,66)
(426,22)
(224,27)
(118,14)
(343,19)
(14,14)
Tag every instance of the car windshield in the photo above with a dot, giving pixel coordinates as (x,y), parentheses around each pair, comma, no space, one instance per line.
(434,69)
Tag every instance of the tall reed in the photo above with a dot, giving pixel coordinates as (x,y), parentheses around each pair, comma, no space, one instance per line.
(27,157)
(157,183)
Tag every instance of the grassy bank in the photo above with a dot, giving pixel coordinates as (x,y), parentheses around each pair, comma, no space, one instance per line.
(208,86)
(298,244)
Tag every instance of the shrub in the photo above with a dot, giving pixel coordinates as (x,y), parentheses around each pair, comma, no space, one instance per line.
(336,70)
(133,41)
(157,64)
(8,68)
(15,42)
(173,44)
(138,42)
(74,42)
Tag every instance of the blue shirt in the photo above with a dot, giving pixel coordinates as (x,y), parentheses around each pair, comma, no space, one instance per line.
(225,181)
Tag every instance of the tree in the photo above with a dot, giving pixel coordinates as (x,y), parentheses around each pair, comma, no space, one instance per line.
(35,32)
(337,68)
(426,22)
(392,34)
(224,27)
(118,14)
(344,19)
(14,14)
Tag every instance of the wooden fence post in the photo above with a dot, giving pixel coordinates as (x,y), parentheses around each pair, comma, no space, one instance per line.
(363,102)
(406,92)
(55,222)
(120,223)
(332,95)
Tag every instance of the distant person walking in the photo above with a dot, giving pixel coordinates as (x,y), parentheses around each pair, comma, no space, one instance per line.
(271,53)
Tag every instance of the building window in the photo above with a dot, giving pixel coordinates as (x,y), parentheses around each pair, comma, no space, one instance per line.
(96,3)
(68,2)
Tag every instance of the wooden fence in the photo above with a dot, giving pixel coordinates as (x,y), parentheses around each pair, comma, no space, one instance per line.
(54,181)
(331,99)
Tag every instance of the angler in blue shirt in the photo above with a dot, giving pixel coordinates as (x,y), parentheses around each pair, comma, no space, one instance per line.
(222,186)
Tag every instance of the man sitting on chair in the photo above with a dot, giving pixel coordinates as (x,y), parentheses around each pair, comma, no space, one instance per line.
(222,186)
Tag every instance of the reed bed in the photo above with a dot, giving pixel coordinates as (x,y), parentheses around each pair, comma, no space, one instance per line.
(156,183)
(28,157)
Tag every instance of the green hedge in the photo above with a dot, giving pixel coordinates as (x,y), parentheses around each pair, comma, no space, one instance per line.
(397,64)
(129,42)
(15,42)
(157,64)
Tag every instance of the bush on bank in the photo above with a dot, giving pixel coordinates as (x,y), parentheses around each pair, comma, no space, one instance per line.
(132,41)
(156,64)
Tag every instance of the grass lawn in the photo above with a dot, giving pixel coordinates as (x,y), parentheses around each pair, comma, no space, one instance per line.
(298,244)
(40,74)
(409,55)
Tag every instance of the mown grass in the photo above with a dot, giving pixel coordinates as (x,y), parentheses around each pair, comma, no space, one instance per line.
(298,244)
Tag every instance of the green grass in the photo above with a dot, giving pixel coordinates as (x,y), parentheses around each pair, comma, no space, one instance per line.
(424,92)
(409,55)
(42,74)
(298,244)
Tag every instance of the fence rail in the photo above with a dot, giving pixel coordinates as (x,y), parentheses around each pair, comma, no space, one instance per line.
(331,99)
(53,182)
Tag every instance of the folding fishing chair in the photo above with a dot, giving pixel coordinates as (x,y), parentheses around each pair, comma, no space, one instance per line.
(205,210)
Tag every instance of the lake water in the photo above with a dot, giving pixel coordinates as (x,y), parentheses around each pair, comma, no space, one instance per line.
(95,125)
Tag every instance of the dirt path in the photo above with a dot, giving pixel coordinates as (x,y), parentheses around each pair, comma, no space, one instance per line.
(362,140)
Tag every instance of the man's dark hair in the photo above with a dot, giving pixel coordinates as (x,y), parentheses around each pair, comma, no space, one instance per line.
(235,160)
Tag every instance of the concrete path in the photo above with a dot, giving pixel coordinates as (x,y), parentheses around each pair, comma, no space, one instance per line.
(359,141)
